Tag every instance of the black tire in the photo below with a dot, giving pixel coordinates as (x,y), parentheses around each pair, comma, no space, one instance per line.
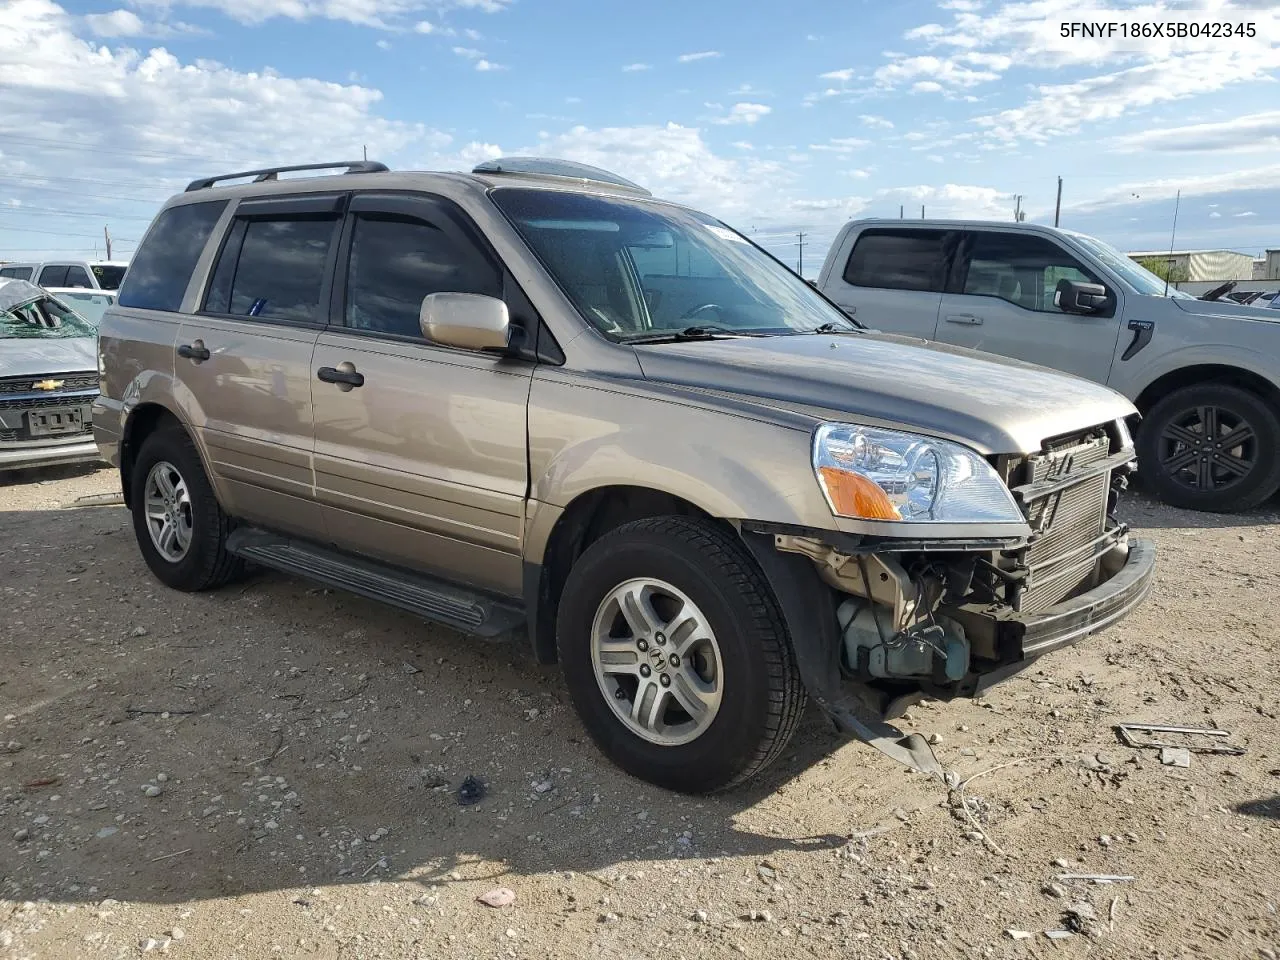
(1167,458)
(206,564)
(762,698)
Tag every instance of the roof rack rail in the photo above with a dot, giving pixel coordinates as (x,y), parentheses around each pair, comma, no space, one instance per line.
(272,173)
(562,169)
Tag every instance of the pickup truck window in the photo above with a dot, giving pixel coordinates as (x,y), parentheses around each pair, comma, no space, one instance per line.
(899,260)
(1019,268)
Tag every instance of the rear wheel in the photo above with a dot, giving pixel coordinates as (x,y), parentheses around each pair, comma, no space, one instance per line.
(180,528)
(676,657)
(1211,447)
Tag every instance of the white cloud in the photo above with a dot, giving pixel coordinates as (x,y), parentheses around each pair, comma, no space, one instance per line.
(951,71)
(857,174)
(700,55)
(425,26)
(382,14)
(383,45)
(636,67)
(117,23)
(125,23)
(1214,215)
(871,120)
(1247,213)
(926,86)
(742,145)
(744,113)
(1255,131)
(1066,108)
(487,66)
(843,76)
(839,145)
(468,53)
(953,201)
(159,120)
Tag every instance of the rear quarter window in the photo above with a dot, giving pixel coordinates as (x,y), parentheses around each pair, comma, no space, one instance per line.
(161,269)
(900,260)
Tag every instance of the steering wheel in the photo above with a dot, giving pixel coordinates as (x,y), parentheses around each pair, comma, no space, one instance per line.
(691,314)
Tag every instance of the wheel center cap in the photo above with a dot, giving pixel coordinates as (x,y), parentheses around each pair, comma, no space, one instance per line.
(658,659)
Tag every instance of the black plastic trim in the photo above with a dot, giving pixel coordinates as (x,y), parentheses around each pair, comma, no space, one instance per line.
(1091,612)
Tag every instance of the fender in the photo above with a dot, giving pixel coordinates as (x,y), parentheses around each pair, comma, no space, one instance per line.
(1150,365)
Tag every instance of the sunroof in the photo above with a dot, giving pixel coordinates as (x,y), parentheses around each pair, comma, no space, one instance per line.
(549,167)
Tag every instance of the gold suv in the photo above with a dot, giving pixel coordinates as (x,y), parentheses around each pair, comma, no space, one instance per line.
(535,398)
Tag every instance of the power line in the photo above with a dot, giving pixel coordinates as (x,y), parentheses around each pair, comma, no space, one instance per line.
(96,148)
(51,233)
(53,211)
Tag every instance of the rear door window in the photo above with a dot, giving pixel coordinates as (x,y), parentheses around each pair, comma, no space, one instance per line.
(54,276)
(16,273)
(161,269)
(77,277)
(273,269)
(900,259)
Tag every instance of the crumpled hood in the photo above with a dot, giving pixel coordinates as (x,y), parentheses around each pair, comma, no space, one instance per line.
(29,356)
(994,404)
(1228,310)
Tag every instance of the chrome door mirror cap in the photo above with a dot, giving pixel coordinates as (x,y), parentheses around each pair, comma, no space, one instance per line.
(469,321)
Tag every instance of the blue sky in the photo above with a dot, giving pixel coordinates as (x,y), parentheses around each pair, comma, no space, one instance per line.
(777,119)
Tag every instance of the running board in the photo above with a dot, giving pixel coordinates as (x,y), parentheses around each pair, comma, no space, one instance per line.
(417,593)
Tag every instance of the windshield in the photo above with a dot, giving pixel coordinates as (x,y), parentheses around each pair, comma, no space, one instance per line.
(108,277)
(640,269)
(1141,279)
(88,306)
(44,318)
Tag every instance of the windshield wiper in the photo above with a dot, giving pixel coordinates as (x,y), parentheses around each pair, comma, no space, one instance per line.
(701,332)
(830,327)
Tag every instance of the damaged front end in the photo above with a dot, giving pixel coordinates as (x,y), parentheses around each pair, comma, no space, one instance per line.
(879,622)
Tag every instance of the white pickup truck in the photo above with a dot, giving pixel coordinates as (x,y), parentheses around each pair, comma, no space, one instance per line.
(1204,374)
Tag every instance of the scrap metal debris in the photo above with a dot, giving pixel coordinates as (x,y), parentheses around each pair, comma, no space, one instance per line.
(1130,735)
(1097,877)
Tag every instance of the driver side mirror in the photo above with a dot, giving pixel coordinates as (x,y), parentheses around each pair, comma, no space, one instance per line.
(1073,296)
(469,321)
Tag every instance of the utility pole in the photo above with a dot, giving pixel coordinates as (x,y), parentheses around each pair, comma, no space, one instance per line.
(106,235)
(1173,238)
(922,211)
(902,208)
(1017,208)
(1057,207)
(365,148)
(800,265)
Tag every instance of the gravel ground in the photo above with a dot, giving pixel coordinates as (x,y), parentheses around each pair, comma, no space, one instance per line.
(272,769)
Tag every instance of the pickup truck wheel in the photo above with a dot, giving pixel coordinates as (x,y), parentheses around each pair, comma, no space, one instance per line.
(676,657)
(1211,447)
(180,528)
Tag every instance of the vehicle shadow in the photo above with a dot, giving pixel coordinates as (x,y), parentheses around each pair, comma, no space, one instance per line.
(1144,510)
(1266,807)
(66,471)
(297,736)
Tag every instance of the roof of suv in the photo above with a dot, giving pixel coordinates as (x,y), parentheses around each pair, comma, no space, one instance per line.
(897,222)
(528,172)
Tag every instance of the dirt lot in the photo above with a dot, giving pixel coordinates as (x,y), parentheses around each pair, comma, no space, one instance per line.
(272,770)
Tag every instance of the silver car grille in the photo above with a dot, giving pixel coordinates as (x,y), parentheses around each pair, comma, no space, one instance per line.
(1068,523)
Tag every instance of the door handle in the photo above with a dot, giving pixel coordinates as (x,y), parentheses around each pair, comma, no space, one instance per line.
(967,319)
(344,375)
(195,352)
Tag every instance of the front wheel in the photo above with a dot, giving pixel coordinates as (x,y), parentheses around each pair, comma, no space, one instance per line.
(1211,447)
(676,657)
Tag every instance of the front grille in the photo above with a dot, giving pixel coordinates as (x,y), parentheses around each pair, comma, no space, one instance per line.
(72,382)
(1068,522)
(52,400)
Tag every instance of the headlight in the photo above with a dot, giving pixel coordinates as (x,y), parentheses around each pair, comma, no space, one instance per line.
(873,474)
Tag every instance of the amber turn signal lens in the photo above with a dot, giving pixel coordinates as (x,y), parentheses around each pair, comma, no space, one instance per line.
(855,496)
